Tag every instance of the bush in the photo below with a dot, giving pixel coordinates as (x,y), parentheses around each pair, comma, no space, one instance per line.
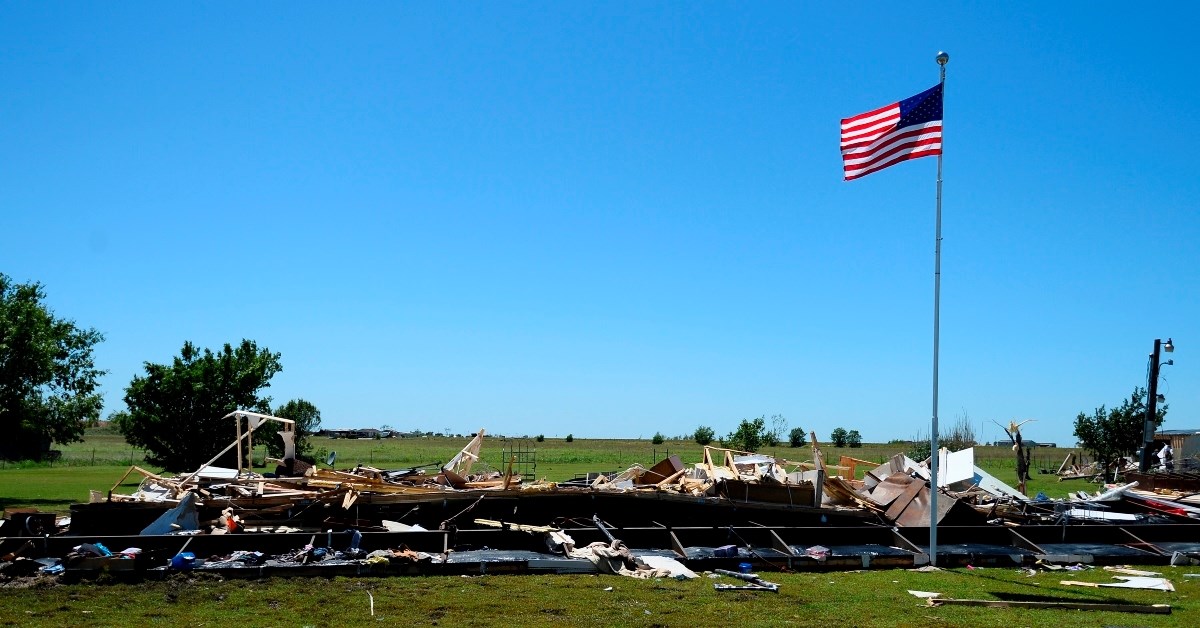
(658,438)
(839,437)
(749,436)
(704,435)
(918,448)
(960,436)
(797,437)
(570,438)
(541,438)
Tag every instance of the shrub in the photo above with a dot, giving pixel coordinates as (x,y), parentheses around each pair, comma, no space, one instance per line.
(704,435)
(919,447)
(541,438)
(658,438)
(960,436)
(772,436)
(570,438)
(749,436)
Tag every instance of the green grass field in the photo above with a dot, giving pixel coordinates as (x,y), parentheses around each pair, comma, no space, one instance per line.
(103,457)
(868,598)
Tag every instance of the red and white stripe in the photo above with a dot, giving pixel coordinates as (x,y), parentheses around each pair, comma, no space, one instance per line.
(871,141)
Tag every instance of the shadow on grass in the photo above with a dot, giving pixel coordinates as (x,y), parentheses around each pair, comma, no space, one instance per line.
(1088,595)
(8,503)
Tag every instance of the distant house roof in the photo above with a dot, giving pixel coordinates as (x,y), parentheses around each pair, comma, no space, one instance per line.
(1177,432)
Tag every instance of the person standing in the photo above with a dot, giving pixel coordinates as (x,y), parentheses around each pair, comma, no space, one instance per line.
(1164,457)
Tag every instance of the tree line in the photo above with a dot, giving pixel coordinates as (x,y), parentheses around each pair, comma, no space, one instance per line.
(754,434)
(49,390)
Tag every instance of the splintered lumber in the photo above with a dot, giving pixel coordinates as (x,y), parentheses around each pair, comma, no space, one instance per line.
(671,479)
(841,490)
(1156,609)
(850,465)
(1066,463)
(818,457)
(144,473)
(327,478)
(492,523)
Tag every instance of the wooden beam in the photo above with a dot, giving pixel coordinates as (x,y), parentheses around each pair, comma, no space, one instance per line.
(903,500)
(1066,463)
(851,465)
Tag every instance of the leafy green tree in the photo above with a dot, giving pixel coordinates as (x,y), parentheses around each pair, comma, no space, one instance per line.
(854,439)
(1112,433)
(839,437)
(749,436)
(541,438)
(308,422)
(797,437)
(704,435)
(658,438)
(570,438)
(48,378)
(175,411)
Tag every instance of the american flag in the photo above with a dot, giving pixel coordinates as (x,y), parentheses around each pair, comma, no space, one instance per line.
(904,130)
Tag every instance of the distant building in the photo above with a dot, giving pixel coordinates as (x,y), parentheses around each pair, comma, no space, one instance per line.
(364,432)
(1184,443)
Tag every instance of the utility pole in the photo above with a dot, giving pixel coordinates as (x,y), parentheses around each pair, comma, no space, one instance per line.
(1151,425)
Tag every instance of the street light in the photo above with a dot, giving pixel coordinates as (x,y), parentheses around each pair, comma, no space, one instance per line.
(1152,400)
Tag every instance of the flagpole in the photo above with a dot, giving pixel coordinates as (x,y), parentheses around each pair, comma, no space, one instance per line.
(942,59)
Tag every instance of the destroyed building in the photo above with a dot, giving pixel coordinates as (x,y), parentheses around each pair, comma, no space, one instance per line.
(727,510)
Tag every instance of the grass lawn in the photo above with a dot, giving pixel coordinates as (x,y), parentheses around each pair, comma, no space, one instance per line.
(870,598)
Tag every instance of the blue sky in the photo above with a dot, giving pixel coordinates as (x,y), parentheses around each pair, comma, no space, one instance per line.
(613,219)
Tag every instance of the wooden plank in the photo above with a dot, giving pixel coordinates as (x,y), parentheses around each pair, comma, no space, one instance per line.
(903,500)
(851,464)
(1066,463)
(1156,609)
(492,523)
(818,457)
(677,546)
(779,545)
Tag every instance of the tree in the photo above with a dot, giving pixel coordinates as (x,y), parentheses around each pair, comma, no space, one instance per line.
(570,438)
(797,437)
(773,436)
(704,435)
(308,422)
(541,438)
(175,411)
(1111,434)
(48,378)
(749,436)
(854,439)
(839,437)
(658,438)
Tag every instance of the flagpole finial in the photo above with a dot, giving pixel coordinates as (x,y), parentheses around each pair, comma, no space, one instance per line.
(942,58)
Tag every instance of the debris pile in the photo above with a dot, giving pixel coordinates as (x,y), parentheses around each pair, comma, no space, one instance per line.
(673,517)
